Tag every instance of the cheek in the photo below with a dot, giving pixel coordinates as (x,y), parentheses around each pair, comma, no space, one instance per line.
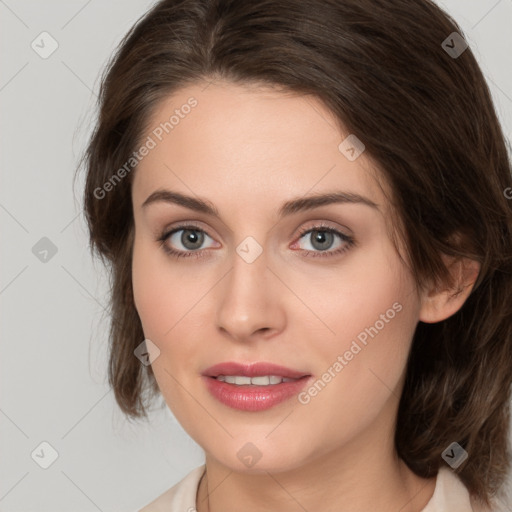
(156,300)
(352,298)
(371,311)
(162,306)
(165,300)
(148,291)
(159,295)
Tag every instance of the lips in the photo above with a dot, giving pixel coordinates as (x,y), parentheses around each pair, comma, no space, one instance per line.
(258,369)
(251,397)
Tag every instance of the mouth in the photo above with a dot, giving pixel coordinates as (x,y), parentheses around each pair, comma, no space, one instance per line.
(263,380)
(253,387)
(253,371)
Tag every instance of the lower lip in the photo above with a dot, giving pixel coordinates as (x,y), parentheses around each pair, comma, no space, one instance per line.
(253,398)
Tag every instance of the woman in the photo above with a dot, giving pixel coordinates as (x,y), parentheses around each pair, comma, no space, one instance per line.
(303,206)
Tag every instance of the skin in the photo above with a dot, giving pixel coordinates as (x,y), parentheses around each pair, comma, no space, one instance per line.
(247,150)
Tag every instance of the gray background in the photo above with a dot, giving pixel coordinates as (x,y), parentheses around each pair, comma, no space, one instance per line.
(53,325)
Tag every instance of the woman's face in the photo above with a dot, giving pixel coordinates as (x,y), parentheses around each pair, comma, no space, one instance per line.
(262,284)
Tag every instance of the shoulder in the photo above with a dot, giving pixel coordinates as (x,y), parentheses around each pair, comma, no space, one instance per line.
(181,497)
(451,495)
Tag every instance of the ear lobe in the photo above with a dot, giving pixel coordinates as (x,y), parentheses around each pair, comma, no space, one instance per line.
(438,304)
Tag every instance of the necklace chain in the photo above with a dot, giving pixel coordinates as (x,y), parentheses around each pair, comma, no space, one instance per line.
(205,486)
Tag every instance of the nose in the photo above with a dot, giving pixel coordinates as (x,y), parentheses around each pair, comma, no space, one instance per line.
(250,300)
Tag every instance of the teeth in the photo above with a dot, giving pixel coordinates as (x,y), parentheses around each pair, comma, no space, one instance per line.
(264,380)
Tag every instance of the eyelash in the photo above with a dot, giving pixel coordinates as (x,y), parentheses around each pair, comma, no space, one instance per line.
(349,242)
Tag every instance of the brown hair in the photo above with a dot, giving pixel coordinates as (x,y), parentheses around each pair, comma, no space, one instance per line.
(425,116)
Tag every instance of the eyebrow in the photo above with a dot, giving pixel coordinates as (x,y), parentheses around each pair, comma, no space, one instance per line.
(288,208)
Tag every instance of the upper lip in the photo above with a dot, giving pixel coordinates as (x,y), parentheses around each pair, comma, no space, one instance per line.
(257,369)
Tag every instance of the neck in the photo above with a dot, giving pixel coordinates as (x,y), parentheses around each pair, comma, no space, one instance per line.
(352,478)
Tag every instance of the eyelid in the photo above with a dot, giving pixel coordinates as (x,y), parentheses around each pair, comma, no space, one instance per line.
(314,224)
(327,225)
(348,241)
(186,226)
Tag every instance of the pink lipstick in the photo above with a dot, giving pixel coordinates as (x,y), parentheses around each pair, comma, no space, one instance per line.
(253,387)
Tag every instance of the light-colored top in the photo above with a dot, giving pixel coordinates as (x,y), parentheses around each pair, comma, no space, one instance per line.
(450,495)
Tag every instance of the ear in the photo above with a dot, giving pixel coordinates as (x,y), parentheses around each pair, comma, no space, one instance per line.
(437,304)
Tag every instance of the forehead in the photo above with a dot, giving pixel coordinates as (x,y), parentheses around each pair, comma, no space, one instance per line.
(249,143)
